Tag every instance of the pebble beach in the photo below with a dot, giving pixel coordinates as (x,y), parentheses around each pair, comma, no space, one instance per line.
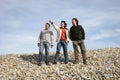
(102,64)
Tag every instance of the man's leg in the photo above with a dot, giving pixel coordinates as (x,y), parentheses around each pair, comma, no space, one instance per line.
(76,51)
(41,52)
(47,45)
(83,50)
(64,44)
(57,52)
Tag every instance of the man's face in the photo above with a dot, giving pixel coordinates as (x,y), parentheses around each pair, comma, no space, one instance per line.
(73,22)
(47,26)
(62,25)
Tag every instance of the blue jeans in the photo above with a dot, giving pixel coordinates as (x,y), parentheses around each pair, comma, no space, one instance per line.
(60,44)
(44,45)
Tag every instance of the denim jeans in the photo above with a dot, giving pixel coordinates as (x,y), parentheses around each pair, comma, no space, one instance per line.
(44,45)
(60,44)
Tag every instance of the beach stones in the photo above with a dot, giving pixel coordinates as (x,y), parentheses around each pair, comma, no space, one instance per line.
(102,64)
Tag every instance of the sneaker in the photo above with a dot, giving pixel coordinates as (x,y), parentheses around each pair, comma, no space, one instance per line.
(39,64)
(76,62)
(66,62)
(54,62)
(47,63)
(84,61)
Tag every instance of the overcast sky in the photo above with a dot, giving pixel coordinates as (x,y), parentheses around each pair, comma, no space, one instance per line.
(22,20)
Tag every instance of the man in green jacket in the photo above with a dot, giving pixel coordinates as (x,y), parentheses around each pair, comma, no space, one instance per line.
(77,36)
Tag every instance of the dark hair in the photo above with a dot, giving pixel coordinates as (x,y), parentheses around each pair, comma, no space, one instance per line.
(64,23)
(76,20)
(48,24)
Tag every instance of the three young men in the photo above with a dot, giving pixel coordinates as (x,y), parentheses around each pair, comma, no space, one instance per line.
(77,36)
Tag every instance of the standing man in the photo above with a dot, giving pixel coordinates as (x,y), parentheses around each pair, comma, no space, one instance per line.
(77,36)
(62,40)
(45,40)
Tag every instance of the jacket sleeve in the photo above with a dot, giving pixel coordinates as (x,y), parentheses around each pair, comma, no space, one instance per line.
(56,27)
(39,38)
(83,33)
(52,39)
(70,33)
(67,35)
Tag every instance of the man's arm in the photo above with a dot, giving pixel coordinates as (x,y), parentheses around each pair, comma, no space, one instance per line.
(70,33)
(53,24)
(52,40)
(67,35)
(83,33)
(38,44)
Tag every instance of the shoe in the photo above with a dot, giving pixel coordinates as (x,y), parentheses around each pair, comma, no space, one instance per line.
(66,62)
(54,62)
(39,64)
(84,61)
(47,63)
(76,62)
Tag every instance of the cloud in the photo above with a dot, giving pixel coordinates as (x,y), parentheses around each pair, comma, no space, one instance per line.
(100,36)
(117,30)
(22,20)
(17,43)
(104,34)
